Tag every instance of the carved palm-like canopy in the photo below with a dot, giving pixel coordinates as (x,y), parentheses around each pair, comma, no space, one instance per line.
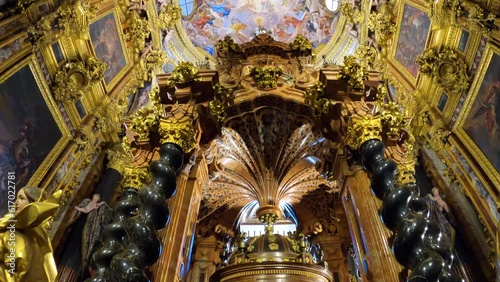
(266,156)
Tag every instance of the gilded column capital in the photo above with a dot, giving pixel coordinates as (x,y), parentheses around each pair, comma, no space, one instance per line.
(180,132)
(136,177)
(362,129)
(118,160)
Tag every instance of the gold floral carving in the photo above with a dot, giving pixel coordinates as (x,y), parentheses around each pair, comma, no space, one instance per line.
(302,46)
(136,177)
(367,56)
(314,97)
(143,121)
(362,129)
(183,74)
(180,132)
(223,99)
(382,25)
(351,12)
(167,17)
(266,77)
(393,119)
(353,72)
(151,61)
(40,33)
(137,31)
(447,67)
(225,45)
(75,77)
(74,17)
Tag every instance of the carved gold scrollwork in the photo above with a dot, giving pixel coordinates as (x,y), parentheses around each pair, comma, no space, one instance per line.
(353,72)
(447,67)
(382,25)
(74,17)
(167,17)
(302,46)
(151,61)
(183,74)
(41,32)
(223,99)
(75,77)
(367,56)
(351,12)
(461,12)
(143,121)
(314,97)
(180,132)
(136,177)
(266,77)
(118,159)
(362,129)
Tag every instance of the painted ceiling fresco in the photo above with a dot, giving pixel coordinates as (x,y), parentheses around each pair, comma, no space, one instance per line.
(206,22)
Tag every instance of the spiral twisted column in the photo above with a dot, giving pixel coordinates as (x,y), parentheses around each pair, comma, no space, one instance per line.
(418,245)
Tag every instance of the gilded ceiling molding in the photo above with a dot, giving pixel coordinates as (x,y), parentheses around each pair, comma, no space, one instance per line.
(76,77)
(446,67)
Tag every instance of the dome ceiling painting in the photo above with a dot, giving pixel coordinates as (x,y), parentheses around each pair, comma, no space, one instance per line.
(206,22)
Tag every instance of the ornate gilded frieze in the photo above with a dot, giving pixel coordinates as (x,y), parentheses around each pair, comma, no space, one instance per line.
(168,16)
(446,67)
(266,77)
(362,129)
(353,72)
(223,99)
(75,77)
(463,13)
(314,97)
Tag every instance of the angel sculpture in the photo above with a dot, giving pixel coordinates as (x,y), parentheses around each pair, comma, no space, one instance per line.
(25,245)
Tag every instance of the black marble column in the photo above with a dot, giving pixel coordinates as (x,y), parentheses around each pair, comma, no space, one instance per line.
(418,241)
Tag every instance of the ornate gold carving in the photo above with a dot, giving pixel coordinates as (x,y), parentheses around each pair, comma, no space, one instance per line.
(180,132)
(461,12)
(266,77)
(223,99)
(183,74)
(313,97)
(225,45)
(381,24)
(75,16)
(40,33)
(137,31)
(143,121)
(351,12)
(75,77)
(353,72)
(136,177)
(167,17)
(362,129)
(118,159)
(367,56)
(302,46)
(447,67)
(393,119)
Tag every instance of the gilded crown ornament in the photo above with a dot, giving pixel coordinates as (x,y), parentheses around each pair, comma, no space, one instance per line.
(266,77)
(183,74)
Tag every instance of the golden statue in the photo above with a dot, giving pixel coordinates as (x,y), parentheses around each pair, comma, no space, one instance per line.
(25,246)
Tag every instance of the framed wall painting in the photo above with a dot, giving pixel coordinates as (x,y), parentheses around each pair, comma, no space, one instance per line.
(443,99)
(478,126)
(32,131)
(463,40)
(108,46)
(410,40)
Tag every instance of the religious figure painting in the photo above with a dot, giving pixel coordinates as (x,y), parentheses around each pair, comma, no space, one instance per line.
(212,20)
(28,130)
(142,97)
(482,124)
(107,45)
(412,37)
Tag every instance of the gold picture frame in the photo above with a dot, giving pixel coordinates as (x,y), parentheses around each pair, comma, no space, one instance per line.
(45,126)
(414,10)
(472,125)
(107,44)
